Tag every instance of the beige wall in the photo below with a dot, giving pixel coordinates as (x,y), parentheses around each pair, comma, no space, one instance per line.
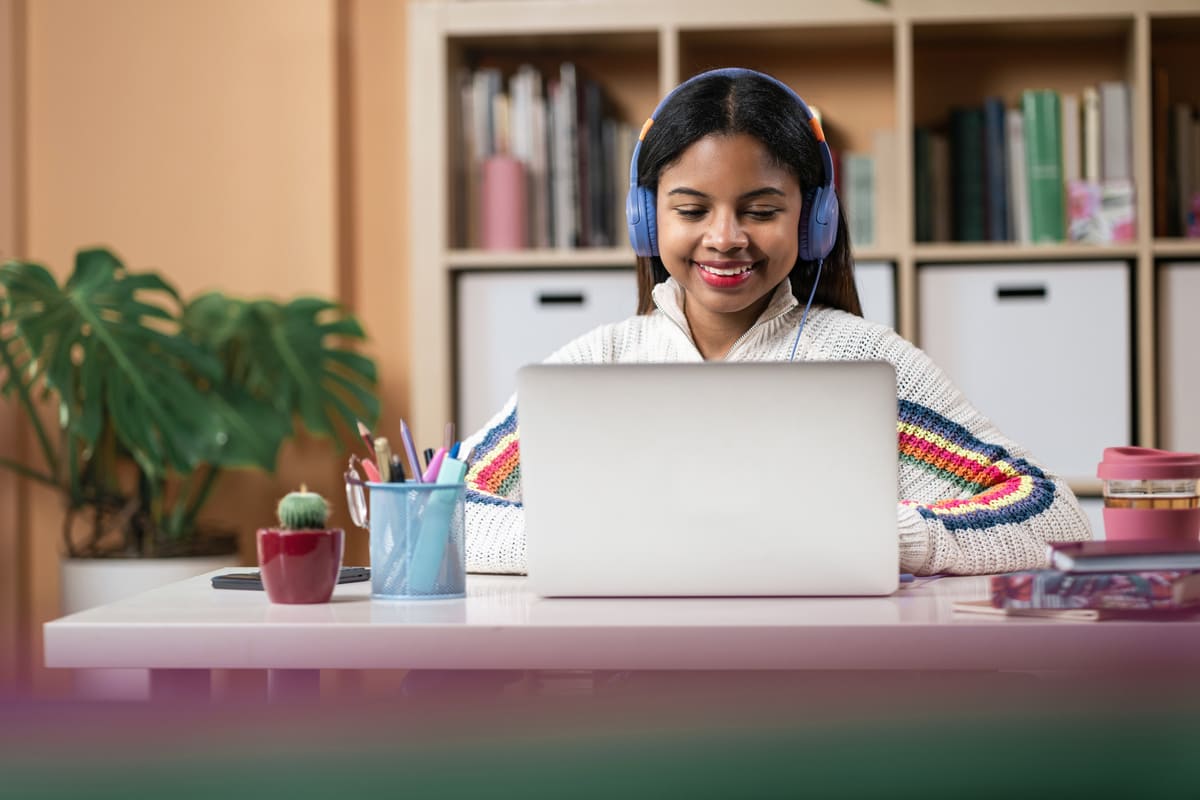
(252,146)
(11,167)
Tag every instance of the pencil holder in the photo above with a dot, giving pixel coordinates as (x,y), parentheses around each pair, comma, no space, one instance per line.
(417,540)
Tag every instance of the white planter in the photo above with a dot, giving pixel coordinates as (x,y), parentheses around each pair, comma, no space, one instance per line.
(89,582)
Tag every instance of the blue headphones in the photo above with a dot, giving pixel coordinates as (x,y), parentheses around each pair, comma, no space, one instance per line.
(818,218)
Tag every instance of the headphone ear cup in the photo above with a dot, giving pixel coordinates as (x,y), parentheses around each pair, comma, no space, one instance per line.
(805,215)
(819,224)
(650,211)
(640,219)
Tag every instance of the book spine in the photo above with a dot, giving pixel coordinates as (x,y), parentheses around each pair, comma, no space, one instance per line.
(1181,116)
(1115,122)
(1158,590)
(859,180)
(922,186)
(996,178)
(1043,159)
(1018,182)
(966,153)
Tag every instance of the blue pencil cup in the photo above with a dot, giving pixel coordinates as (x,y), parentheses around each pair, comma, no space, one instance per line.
(417,540)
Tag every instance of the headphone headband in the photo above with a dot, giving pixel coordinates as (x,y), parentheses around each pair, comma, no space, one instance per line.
(818,222)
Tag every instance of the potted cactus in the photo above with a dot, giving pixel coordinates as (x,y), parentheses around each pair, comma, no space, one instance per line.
(301,559)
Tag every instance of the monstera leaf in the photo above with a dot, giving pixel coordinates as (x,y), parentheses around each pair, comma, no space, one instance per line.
(105,346)
(285,360)
(184,390)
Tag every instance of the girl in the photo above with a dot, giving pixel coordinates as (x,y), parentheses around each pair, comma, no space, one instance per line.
(743,255)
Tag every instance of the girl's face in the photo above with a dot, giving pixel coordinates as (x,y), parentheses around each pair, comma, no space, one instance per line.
(728,222)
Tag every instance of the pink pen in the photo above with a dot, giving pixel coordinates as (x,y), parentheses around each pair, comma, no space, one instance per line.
(435,464)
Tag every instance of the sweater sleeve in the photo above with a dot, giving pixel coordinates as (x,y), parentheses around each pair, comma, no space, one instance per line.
(971,501)
(495,519)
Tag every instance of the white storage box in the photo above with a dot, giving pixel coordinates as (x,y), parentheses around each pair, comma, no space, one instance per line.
(1178,366)
(507,319)
(877,291)
(1041,349)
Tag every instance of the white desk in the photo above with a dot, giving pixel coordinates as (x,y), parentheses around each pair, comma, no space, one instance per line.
(182,631)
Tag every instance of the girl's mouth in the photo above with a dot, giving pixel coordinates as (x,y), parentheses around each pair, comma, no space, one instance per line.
(725,274)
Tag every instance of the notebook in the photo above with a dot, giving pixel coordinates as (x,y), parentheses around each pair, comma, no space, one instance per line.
(709,479)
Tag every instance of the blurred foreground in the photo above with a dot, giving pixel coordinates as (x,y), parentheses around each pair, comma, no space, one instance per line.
(583,735)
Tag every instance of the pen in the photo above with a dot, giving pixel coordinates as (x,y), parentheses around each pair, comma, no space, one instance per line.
(397,475)
(428,453)
(383,458)
(410,451)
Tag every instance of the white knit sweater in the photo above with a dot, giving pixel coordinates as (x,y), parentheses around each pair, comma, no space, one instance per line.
(971,501)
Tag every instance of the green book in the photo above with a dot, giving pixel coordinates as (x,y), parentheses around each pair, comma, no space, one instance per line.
(1043,161)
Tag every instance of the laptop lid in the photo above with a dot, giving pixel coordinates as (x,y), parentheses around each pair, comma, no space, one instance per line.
(709,479)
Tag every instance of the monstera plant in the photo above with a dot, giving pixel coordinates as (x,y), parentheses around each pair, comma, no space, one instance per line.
(139,401)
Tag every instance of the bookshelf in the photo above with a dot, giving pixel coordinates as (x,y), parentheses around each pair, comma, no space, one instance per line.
(867,66)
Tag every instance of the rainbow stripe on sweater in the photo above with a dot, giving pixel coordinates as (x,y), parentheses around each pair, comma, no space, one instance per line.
(495,471)
(1005,489)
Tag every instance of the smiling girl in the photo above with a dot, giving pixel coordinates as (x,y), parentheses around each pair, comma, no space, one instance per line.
(743,256)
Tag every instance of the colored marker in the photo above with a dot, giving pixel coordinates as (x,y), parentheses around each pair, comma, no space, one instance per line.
(410,451)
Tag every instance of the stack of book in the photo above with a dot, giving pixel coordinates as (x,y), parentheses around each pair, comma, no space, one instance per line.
(1055,167)
(568,146)
(1099,580)
(1176,133)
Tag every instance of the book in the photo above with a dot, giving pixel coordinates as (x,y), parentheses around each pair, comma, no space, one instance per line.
(942,191)
(1072,140)
(1150,590)
(968,174)
(1181,138)
(858,177)
(1064,614)
(1124,555)
(1018,182)
(1100,213)
(1091,134)
(1116,122)
(1161,112)
(1043,159)
(922,185)
(995,170)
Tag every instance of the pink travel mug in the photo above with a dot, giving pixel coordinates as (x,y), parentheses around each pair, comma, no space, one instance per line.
(1150,494)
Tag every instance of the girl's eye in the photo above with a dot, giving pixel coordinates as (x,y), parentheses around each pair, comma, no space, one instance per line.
(690,213)
(763,214)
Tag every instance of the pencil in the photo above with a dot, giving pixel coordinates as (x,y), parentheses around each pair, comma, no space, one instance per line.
(365,433)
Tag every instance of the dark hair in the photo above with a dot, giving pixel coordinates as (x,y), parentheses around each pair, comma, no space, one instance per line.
(753,105)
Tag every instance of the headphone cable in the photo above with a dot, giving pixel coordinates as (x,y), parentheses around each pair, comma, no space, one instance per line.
(807,306)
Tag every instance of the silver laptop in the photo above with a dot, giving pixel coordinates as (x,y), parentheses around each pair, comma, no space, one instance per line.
(709,479)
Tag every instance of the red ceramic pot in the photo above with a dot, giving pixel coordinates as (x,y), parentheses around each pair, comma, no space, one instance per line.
(300,566)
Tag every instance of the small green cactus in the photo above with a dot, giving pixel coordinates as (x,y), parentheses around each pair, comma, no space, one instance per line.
(303,510)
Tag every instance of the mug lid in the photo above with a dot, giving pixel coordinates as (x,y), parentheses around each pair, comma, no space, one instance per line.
(1147,463)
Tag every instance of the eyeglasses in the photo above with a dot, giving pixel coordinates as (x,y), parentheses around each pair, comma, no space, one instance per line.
(356,499)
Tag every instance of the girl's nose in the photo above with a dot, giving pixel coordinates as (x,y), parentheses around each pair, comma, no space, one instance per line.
(725,232)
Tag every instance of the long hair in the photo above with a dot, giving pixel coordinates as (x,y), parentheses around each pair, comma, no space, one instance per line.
(749,104)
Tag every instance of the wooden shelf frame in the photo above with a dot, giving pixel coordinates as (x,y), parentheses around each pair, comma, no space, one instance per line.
(903,33)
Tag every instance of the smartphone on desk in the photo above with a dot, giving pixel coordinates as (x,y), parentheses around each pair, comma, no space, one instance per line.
(253,579)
